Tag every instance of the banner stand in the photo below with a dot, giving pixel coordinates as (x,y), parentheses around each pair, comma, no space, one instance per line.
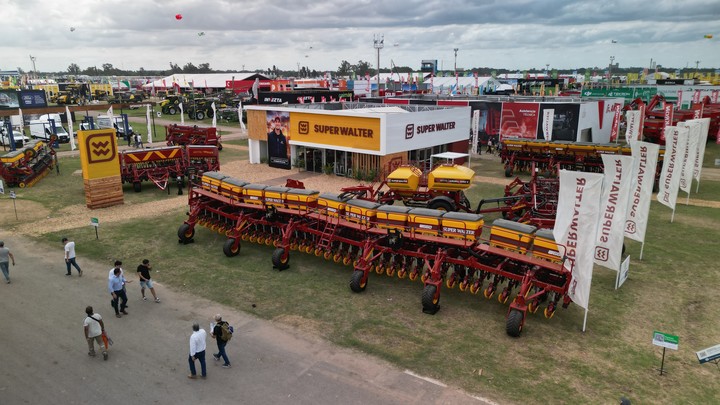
(672,216)
(585,320)
(642,247)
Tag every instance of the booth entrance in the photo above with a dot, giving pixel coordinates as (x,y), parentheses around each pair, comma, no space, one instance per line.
(327,161)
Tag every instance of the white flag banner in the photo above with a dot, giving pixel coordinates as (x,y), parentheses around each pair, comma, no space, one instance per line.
(22,121)
(475,130)
(576,226)
(632,133)
(613,206)
(110,114)
(675,140)
(149,124)
(645,157)
(214,121)
(182,114)
(547,123)
(242,124)
(689,154)
(71,131)
(702,143)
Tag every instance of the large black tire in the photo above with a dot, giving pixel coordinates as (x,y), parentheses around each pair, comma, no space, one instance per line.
(171,110)
(429,303)
(137,186)
(441,205)
(277,259)
(199,115)
(356,284)
(228,248)
(514,322)
(219,146)
(185,233)
(508,171)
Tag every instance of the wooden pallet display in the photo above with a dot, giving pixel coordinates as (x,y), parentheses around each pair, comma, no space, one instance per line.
(103,192)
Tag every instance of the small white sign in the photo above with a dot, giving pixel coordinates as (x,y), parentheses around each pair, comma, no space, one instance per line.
(12,195)
(709,354)
(623,273)
(666,340)
(2,188)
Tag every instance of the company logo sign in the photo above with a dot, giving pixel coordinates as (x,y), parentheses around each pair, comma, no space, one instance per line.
(100,148)
(409,131)
(303,127)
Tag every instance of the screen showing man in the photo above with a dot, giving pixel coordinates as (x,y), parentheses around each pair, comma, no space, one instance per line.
(277,142)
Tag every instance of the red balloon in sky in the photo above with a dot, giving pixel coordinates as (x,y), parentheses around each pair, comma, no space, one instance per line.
(178,16)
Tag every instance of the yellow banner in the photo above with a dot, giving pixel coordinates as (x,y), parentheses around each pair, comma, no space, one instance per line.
(349,132)
(99,153)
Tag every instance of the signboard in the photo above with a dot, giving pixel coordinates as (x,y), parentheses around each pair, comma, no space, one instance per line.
(629,94)
(623,273)
(519,120)
(94,222)
(362,133)
(564,121)
(9,99)
(33,99)
(278,143)
(12,195)
(709,354)
(98,157)
(2,187)
(665,340)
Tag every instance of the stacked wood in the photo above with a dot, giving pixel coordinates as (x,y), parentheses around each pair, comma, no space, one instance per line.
(103,192)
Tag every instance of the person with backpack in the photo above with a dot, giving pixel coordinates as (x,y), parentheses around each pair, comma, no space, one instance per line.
(222,332)
(94,328)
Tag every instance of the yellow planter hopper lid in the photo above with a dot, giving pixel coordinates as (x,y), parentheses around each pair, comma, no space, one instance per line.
(450,178)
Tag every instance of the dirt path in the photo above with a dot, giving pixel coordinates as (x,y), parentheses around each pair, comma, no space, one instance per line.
(44,357)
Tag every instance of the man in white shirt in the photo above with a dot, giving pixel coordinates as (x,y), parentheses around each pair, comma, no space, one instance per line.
(70,256)
(94,328)
(197,351)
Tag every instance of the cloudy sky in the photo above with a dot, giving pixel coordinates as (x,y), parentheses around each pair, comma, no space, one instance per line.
(237,34)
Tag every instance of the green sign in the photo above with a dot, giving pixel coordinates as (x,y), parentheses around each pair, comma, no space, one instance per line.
(665,340)
(628,93)
(94,222)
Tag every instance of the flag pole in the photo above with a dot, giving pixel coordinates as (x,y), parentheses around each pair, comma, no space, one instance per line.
(672,216)
(585,320)
(641,250)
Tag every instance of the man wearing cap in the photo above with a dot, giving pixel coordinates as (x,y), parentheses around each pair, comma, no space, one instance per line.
(277,143)
(5,257)
(70,256)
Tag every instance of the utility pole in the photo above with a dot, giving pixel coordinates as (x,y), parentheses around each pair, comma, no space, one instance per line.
(32,59)
(612,59)
(378,44)
(456,50)
(697,65)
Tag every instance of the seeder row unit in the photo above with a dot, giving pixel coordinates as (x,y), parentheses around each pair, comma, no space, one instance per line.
(519,262)
(25,167)
(161,165)
(518,154)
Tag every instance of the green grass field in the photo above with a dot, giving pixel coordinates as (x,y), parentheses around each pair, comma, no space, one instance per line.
(671,290)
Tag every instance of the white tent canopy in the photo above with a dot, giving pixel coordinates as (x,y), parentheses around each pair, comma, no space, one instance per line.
(197,81)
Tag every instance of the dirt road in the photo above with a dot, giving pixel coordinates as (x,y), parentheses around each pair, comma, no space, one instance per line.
(44,357)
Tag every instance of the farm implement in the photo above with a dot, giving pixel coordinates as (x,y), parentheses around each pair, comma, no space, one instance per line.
(518,263)
(23,168)
(548,156)
(161,165)
(191,135)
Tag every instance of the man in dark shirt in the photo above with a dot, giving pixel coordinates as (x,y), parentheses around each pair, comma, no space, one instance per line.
(277,143)
(143,271)
(217,334)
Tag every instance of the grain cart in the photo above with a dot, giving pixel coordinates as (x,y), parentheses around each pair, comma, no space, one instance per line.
(191,135)
(162,165)
(436,247)
(25,167)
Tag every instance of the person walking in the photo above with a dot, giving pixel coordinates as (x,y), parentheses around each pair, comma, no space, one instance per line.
(143,271)
(221,343)
(116,286)
(197,351)
(70,257)
(94,328)
(5,258)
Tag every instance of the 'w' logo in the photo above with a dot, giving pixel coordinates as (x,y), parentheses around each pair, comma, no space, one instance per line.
(100,148)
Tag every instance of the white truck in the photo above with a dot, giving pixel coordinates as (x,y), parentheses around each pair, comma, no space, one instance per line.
(41,128)
(118,123)
(19,137)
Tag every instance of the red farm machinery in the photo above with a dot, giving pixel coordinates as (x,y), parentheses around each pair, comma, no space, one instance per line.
(519,263)
(161,165)
(191,135)
(25,167)
(656,118)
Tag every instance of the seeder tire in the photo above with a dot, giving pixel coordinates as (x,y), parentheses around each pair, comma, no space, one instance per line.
(185,233)
(514,323)
(278,261)
(508,171)
(137,186)
(228,248)
(356,283)
(429,302)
